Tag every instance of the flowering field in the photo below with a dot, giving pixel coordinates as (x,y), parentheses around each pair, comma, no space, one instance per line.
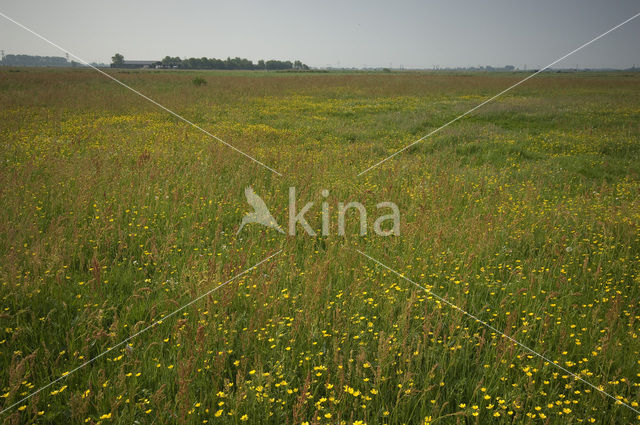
(525,214)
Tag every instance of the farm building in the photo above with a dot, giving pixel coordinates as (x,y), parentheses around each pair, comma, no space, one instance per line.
(137,64)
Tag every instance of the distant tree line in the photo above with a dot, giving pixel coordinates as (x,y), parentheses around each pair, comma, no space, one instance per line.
(29,60)
(230,63)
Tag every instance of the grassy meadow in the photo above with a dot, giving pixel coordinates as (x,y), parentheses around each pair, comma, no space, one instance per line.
(115,213)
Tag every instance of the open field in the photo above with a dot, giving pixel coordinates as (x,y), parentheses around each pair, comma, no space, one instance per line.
(114,213)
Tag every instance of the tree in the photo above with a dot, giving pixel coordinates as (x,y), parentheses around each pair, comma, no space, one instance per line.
(117,59)
(169,62)
(276,64)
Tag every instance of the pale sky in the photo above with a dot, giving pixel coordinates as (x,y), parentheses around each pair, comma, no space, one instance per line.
(414,34)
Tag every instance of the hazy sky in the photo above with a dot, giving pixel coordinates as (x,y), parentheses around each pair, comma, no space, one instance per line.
(345,33)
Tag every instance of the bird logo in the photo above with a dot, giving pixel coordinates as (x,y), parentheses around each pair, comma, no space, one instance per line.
(260,214)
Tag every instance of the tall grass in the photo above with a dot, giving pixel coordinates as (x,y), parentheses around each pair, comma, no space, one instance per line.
(114,214)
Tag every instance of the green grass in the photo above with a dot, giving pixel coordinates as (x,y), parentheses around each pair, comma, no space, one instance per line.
(114,213)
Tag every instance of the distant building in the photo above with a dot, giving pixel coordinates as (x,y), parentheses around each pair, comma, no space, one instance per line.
(138,64)
(29,60)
